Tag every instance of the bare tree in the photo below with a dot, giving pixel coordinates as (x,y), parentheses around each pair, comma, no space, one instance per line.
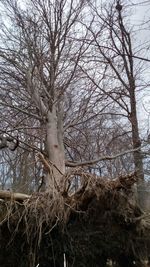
(39,59)
(114,53)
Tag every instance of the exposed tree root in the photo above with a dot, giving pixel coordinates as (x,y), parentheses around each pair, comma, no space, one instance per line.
(101,220)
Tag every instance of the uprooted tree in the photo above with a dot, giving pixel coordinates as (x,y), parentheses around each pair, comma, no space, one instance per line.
(54,105)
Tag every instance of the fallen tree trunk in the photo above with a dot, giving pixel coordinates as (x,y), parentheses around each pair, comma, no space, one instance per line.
(13,196)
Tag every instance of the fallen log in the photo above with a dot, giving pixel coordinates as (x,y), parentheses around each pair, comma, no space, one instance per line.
(9,195)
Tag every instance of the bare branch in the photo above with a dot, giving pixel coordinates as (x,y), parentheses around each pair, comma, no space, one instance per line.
(21,110)
(103,158)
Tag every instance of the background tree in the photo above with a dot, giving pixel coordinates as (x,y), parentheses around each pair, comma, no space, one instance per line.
(113,50)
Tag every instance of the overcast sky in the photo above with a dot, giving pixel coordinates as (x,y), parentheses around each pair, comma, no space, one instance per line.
(141,15)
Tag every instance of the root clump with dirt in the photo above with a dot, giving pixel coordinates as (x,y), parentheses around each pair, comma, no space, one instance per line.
(99,223)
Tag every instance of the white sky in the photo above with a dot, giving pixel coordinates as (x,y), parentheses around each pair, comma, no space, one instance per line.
(139,19)
(141,14)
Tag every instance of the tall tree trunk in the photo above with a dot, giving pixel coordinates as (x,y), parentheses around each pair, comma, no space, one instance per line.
(138,161)
(55,148)
(136,142)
